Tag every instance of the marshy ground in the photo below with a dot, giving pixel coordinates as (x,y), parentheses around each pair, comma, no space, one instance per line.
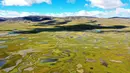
(65,46)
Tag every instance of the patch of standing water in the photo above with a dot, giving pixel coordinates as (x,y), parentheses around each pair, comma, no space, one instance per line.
(12,34)
(48,60)
(2,41)
(2,62)
(24,38)
(97,31)
(3,46)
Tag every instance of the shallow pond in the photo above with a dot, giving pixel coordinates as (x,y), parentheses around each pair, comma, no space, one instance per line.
(24,38)
(3,46)
(2,41)
(2,62)
(48,60)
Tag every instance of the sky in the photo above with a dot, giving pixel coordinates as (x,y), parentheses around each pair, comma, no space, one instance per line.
(62,8)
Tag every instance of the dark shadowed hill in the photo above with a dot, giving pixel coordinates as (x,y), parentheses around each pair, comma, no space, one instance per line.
(120,17)
(37,18)
(27,18)
(40,18)
(2,19)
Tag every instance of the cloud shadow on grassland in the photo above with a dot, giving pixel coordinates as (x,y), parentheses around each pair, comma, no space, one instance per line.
(75,28)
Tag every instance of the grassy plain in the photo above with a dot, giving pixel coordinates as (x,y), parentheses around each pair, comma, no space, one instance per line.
(78,46)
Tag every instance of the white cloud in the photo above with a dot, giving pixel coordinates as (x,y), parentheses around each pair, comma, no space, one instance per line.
(23,2)
(6,13)
(119,12)
(86,5)
(71,1)
(79,13)
(106,4)
(123,12)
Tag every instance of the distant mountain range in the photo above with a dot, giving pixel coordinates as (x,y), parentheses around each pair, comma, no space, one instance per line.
(120,17)
(27,18)
(42,18)
(39,18)
(2,19)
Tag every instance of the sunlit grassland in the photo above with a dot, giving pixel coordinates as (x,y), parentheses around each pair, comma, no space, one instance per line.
(67,51)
